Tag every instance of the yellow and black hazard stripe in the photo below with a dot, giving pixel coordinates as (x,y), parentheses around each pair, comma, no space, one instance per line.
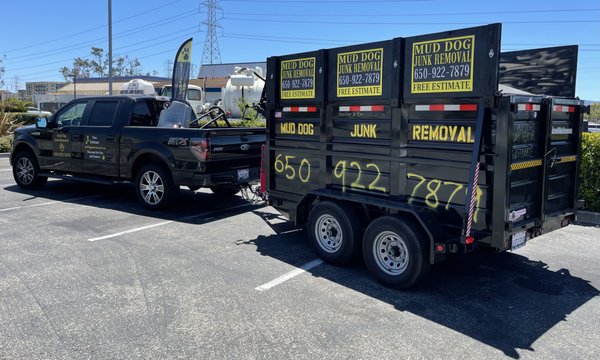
(526,164)
(566,159)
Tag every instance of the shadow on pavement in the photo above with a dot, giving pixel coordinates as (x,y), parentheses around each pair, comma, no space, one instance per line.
(503,300)
(187,207)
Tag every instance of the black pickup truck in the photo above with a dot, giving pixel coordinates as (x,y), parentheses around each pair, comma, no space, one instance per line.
(125,138)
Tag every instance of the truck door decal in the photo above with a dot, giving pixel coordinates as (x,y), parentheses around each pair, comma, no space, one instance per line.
(61,146)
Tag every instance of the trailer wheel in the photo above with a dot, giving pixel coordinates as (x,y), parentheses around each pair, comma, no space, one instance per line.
(26,171)
(334,232)
(395,252)
(154,187)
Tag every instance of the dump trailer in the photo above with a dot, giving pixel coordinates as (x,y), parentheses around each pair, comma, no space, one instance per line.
(406,150)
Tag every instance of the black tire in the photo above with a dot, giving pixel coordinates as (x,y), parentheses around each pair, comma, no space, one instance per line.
(334,232)
(396,252)
(26,171)
(154,187)
(225,190)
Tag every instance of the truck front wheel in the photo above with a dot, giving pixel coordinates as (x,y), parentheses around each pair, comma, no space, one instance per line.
(26,171)
(334,232)
(395,252)
(154,187)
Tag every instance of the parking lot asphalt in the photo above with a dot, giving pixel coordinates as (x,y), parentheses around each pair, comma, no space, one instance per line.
(85,272)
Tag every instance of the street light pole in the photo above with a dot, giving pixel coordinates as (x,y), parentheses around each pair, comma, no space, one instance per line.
(74,76)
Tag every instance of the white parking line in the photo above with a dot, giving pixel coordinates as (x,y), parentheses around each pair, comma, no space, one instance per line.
(285,277)
(208,216)
(53,202)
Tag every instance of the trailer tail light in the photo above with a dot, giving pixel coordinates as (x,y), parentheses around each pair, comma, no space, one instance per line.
(263,176)
(200,149)
(469,240)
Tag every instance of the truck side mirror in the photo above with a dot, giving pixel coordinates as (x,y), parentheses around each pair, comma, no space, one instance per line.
(41,123)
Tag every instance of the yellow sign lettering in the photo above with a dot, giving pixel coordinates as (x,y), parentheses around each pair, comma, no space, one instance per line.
(446,133)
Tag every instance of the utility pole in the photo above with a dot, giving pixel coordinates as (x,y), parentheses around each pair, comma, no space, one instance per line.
(110,53)
(211,53)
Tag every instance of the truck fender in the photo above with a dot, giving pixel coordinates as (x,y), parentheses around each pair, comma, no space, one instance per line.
(24,142)
(151,150)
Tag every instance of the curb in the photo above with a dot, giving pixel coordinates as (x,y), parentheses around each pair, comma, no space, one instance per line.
(4,155)
(588,218)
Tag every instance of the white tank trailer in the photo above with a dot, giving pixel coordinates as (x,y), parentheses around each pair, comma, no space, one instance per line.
(243,83)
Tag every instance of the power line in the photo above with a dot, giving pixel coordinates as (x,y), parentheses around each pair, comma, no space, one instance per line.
(295,14)
(162,7)
(354,23)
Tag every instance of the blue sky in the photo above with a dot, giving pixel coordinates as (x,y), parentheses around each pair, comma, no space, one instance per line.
(38,37)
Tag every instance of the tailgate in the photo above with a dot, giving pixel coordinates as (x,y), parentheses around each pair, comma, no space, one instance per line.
(234,148)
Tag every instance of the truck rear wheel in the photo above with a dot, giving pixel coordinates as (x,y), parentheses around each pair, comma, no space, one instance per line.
(334,232)
(395,252)
(154,187)
(26,171)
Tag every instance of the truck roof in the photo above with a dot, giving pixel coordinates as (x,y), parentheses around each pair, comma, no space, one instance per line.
(130,97)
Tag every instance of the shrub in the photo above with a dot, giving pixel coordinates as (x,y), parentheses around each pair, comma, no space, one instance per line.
(589,171)
(5,143)
(26,119)
(8,123)
(14,105)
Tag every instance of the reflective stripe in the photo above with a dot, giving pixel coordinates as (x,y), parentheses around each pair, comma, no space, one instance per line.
(446,107)
(561,108)
(300,109)
(528,107)
(565,159)
(526,164)
(364,108)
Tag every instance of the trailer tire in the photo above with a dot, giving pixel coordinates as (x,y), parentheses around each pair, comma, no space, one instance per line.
(154,187)
(334,232)
(26,171)
(395,252)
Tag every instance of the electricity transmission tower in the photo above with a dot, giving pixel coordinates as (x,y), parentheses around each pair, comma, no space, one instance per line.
(211,53)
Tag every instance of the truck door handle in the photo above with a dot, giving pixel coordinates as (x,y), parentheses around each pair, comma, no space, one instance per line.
(110,138)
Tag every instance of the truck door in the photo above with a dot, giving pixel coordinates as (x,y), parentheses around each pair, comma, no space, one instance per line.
(98,139)
(562,158)
(60,147)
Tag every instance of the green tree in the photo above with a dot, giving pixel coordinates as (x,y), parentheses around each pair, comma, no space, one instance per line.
(594,113)
(97,66)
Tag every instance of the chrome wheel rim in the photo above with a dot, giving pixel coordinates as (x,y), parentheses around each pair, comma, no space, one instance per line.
(152,187)
(25,171)
(328,233)
(390,253)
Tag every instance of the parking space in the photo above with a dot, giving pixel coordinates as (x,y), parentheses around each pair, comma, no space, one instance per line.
(85,272)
